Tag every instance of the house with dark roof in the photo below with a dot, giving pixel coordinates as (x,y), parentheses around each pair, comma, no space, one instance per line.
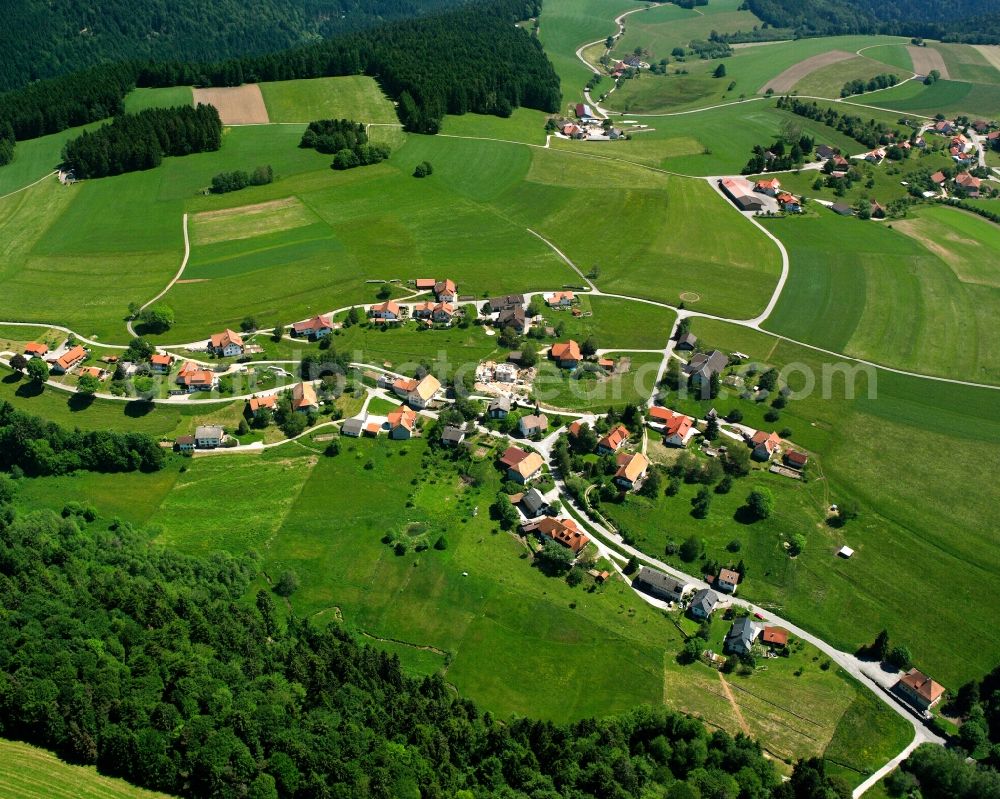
(452,435)
(662,586)
(353,427)
(825,152)
(687,342)
(497,304)
(740,192)
(499,408)
(796,459)
(702,367)
(740,638)
(842,208)
(919,689)
(703,603)
(514,317)
(533,502)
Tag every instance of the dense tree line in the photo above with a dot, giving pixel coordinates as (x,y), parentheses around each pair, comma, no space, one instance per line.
(132,142)
(33,446)
(6,142)
(48,38)
(226,182)
(974,21)
(870,133)
(469,59)
(780,156)
(149,664)
(346,139)
(859,86)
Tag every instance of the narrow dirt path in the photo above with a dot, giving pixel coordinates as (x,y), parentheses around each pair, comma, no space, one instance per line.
(736,708)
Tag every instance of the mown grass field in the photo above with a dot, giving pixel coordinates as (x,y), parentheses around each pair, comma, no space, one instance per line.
(35,158)
(577,391)
(895,451)
(849,275)
(356,97)
(965,62)
(945,96)
(140,99)
(27,772)
(828,81)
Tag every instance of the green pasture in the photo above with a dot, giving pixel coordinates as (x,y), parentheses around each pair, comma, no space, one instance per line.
(849,278)
(167,97)
(27,772)
(966,63)
(829,80)
(889,442)
(560,389)
(356,97)
(892,55)
(615,323)
(948,97)
(659,94)
(524,125)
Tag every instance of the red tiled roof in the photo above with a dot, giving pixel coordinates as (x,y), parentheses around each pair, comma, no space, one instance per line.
(678,426)
(73,356)
(775,635)
(512,456)
(566,351)
(403,416)
(158,359)
(615,438)
(425,282)
(661,414)
(563,531)
(389,306)
(256,403)
(922,685)
(225,338)
(316,323)
(33,348)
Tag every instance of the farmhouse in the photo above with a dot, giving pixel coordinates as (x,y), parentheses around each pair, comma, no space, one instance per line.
(842,208)
(764,445)
(775,637)
(161,363)
(611,442)
(970,183)
(193,378)
(209,436)
(876,156)
(256,405)
(304,398)
(584,113)
(839,162)
(677,430)
(825,152)
(739,191)
(703,603)
(796,459)
(425,283)
(687,342)
(534,424)
(919,689)
(423,393)
(631,470)
(226,344)
(497,304)
(68,360)
(423,310)
(387,311)
(566,354)
(35,350)
(662,586)
(521,466)
(561,299)
(317,327)
(445,290)
(789,203)
(353,427)
(401,423)
(740,638)
(443,313)
(184,443)
(452,435)
(514,317)
(702,367)
(499,408)
(727,580)
(770,187)
(938,178)
(562,531)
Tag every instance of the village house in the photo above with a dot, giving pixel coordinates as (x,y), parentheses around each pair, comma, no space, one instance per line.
(226,344)
(631,470)
(452,435)
(825,152)
(402,421)
(209,436)
(687,342)
(774,637)
(533,502)
(796,459)
(193,377)
(521,466)
(304,398)
(703,603)
(660,585)
(69,359)
(161,363)
(702,367)
(513,317)
(499,408)
(740,638)
(497,304)
(505,373)
(383,312)
(840,163)
(566,354)
(919,689)
(445,290)
(584,114)
(562,531)
(561,299)
(769,186)
(257,405)
(612,441)
(353,427)
(764,445)
(533,424)
(938,178)
(423,393)
(314,328)
(677,430)
(944,127)
(35,350)
(184,444)
(443,313)
(876,211)
(423,310)
(740,192)
(727,580)
(876,156)
(969,183)
(789,203)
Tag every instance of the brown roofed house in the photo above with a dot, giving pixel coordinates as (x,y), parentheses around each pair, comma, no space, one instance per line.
(258,404)
(938,178)
(304,397)
(631,470)
(32,349)
(71,358)
(613,440)
(796,459)
(566,354)
(562,531)
(764,445)
(317,327)
(775,636)
(919,689)
(226,344)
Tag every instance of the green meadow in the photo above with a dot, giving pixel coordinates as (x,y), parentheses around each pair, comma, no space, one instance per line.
(945,97)
(356,97)
(166,97)
(850,278)
(890,443)
(965,62)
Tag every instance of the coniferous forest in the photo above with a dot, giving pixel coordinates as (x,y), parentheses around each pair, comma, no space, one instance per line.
(151,665)
(140,141)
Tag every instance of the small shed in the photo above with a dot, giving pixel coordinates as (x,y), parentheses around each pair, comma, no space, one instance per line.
(845,552)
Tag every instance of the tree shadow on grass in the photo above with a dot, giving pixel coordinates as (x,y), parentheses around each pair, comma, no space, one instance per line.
(744,515)
(80,402)
(30,389)
(13,378)
(136,409)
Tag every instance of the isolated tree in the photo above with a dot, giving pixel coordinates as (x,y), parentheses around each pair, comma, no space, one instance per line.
(632,566)
(701,503)
(880,647)
(505,512)
(157,318)
(37,370)
(760,503)
(768,380)
(797,544)
(288,583)
(720,71)
(900,657)
(737,460)
(589,346)
(277,331)
(651,485)
(554,558)
(690,548)
(529,354)
(88,385)
(18,362)
(712,429)
(441,543)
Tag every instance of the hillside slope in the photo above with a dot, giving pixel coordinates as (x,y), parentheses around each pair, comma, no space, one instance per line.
(45,38)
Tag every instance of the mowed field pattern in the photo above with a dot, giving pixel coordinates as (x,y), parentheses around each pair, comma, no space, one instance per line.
(780,84)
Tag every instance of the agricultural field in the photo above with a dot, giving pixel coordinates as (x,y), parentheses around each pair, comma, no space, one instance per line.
(356,97)
(858,438)
(27,772)
(966,62)
(36,158)
(945,97)
(849,274)
(140,99)
(829,80)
